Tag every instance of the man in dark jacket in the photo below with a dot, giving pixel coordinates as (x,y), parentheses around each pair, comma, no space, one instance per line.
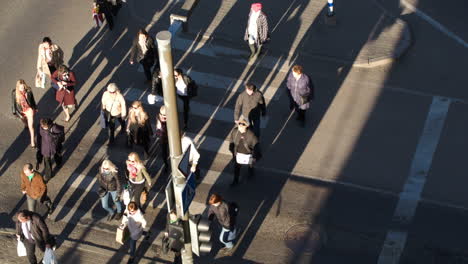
(33,186)
(33,231)
(250,104)
(145,52)
(49,140)
(244,147)
(226,219)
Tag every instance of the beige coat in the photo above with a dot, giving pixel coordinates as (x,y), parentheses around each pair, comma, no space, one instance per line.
(114,103)
(57,59)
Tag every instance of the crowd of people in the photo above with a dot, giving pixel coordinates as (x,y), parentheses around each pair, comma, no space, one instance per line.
(127,191)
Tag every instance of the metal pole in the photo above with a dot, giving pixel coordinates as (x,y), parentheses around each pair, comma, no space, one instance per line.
(163,39)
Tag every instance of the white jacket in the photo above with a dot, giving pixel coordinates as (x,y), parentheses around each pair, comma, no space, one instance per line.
(135,222)
(194,155)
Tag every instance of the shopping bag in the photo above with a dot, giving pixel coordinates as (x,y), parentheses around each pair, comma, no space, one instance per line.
(126,197)
(143,197)
(49,257)
(103,119)
(122,234)
(243,158)
(40,80)
(21,249)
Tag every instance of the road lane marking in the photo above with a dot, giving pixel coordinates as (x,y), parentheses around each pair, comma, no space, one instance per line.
(409,198)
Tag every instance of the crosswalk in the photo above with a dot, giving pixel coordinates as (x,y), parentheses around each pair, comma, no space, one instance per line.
(80,204)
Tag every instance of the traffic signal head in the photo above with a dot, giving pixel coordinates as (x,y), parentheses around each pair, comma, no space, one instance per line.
(200,234)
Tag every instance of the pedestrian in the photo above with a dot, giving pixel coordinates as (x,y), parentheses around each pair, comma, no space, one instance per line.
(135,220)
(226,218)
(245,149)
(115,6)
(156,83)
(49,139)
(106,9)
(139,129)
(49,58)
(250,104)
(110,185)
(144,52)
(186,143)
(161,134)
(256,32)
(33,186)
(32,230)
(113,105)
(65,81)
(137,176)
(185,91)
(300,92)
(24,107)
(97,15)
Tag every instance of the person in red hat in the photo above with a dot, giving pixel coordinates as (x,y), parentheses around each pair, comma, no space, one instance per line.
(256,32)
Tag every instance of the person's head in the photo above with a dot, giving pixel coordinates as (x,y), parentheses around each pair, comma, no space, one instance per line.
(47,42)
(108,166)
(63,71)
(28,169)
(133,158)
(21,87)
(297,70)
(242,124)
(24,216)
(173,216)
(142,34)
(137,114)
(255,7)
(215,199)
(132,208)
(162,113)
(45,123)
(178,73)
(112,88)
(250,88)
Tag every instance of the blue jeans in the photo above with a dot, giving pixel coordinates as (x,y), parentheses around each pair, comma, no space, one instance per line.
(105,202)
(132,247)
(226,237)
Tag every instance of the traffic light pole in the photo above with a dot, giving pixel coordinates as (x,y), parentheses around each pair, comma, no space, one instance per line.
(163,39)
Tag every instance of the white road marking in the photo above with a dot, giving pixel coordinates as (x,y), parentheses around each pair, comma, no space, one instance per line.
(434,23)
(411,195)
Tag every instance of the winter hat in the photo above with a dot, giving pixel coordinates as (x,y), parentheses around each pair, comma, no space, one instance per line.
(112,87)
(256,7)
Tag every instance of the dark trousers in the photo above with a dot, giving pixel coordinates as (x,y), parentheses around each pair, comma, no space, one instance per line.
(255,126)
(109,19)
(30,246)
(165,153)
(147,69)
(137,189)
(112,126)
(186,105)
(48,165)
(237,168)
(300,113)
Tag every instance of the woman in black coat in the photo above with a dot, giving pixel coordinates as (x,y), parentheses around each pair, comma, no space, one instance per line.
(145,52)
(24,107)
(184,88)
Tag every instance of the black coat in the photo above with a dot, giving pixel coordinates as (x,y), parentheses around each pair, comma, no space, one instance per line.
(250,140)
(39,231)
(148,58)
(48,141)
(16,108)
(110,182)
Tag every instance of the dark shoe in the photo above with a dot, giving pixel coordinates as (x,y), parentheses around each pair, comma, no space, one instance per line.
(110,216)
(131,260)
(118,216)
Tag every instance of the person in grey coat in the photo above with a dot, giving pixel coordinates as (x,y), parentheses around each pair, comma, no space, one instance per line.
(250,104)
(33,232)
(256,32)
(49,141)
(300,92)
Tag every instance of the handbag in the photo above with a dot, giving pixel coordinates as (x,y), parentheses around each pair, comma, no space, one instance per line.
(126,197)
(40,80)
(242,158)
(122,234)
(49,257)
(143,197)
(21,249)
(102,119)
(304,100)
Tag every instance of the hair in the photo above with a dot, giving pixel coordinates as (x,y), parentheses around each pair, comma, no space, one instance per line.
(298,69)
(179,71)
(109,164)
(251,86)
(45,122)
(28,166)
(132,206)
(47,39)
(137,159)
(142,31)
(62,69)
(215,198)
(139,117)
(17,90)
(25,214)
(113,85)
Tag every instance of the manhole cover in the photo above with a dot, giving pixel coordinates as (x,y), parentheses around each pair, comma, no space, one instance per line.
(303,238)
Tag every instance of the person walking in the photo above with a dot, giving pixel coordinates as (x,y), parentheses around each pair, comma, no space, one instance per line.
(144,52)
(32,230)
(33,186)
(106,9)
(256,32)
(139,129)
(184,86)
(226,217)
(65,80)
(24,107)
(250,104)
(113,105)
(161,134)
(300,92)
(245,149)
(110,185)
(137,176)
(49,140)
(135,220)
(49,58)
(186,144)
